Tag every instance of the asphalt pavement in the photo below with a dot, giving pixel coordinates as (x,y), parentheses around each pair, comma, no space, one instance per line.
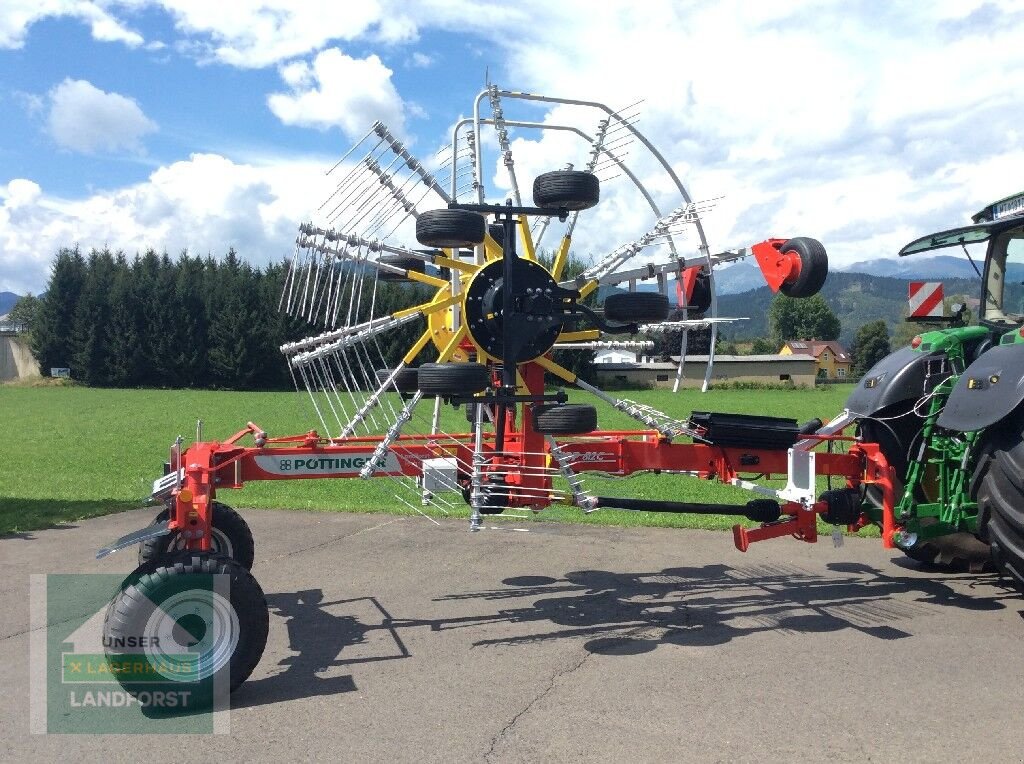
(394,639)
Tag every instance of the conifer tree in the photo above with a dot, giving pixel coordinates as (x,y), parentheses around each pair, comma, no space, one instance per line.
(51,335)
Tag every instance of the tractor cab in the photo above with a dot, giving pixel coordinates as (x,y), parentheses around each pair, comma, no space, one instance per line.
(1001,225)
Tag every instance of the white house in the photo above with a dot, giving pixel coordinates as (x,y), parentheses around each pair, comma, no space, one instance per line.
(614,355)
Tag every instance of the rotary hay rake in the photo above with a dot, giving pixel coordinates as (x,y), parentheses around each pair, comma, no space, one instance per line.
(488,307)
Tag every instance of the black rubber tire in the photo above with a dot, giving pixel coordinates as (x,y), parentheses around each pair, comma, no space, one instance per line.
(497,232)
(700,299)
(446,379)
(407,380)
(408,263)
(952,553)
(170,585)
(636,307)
(446,229)
(999,485)
(813,267)
(566,190)
(565,419)
(231,538)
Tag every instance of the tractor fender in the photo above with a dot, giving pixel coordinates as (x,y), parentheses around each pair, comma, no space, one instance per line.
(987,391)
(900,376)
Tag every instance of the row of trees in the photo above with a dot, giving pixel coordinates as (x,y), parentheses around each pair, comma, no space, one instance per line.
(788,319)
(200,322)
(190,322)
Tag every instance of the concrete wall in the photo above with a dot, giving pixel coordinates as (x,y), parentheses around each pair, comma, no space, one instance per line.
(16,361)
(727,369)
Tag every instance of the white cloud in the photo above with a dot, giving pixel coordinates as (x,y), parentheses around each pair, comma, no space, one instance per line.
(420,60)
(260,33)
(85,119)
(204,204)
(338,91)
(861,124)
(19,15)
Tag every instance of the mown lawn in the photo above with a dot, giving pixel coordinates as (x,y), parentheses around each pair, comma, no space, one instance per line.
(74,452)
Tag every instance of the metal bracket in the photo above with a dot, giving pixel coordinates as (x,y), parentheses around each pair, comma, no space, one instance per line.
(143,534)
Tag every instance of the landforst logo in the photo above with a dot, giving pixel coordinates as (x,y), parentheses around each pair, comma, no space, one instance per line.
(159,671)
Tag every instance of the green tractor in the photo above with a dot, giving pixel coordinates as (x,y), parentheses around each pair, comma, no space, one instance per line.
(947,412)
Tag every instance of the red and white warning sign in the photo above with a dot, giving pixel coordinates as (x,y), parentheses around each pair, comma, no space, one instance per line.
(925,299)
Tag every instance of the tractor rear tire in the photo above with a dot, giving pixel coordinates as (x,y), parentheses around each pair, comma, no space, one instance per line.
(230,537)
(176,603)
(447,229)
(813,267)
(952,553)
(407,263)
(999,482)
(636,307)
(566,190)
(565,419)
(447,379)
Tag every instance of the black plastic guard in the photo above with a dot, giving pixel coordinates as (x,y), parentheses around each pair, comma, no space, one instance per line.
(902,376)
(988,390)
(746,430)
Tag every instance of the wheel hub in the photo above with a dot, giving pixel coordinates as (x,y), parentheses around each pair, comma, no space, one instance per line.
(536,310)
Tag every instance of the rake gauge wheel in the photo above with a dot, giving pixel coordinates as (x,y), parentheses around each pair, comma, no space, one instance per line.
(407,381)
(565,419)
(636,307)
(447,379)
(446,229)
(566,190)
(406,263)
(700,298)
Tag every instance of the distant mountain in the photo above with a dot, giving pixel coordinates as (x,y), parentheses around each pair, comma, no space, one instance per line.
(936,268)
(856,298)
(745,275)
(7,300)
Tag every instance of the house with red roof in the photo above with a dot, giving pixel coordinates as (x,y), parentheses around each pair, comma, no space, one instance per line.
(832,359)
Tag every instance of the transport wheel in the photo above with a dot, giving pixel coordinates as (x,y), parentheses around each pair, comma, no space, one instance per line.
(447,379)
(636,307)
(406,380)
(407,263)
(192,623)
(566,190)
(954,552)
(565,419)
(450,228)
(230,537)
(813,267)
(999,483)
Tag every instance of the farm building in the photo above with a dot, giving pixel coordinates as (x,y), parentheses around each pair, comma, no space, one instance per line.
(833,360)
(614,355)
(766,369)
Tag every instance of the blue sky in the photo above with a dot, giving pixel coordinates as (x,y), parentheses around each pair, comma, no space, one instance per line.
(177,124)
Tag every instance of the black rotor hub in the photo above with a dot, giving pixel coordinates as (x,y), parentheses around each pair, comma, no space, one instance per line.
(537,309)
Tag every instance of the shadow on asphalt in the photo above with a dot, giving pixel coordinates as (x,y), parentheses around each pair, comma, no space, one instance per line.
(620,614)
(628,614)
(52,514)
(322,640)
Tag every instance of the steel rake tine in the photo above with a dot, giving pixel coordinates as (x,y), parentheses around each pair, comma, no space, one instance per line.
(346,180)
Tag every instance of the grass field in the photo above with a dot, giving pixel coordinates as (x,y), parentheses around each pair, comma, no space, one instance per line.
(74,452)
